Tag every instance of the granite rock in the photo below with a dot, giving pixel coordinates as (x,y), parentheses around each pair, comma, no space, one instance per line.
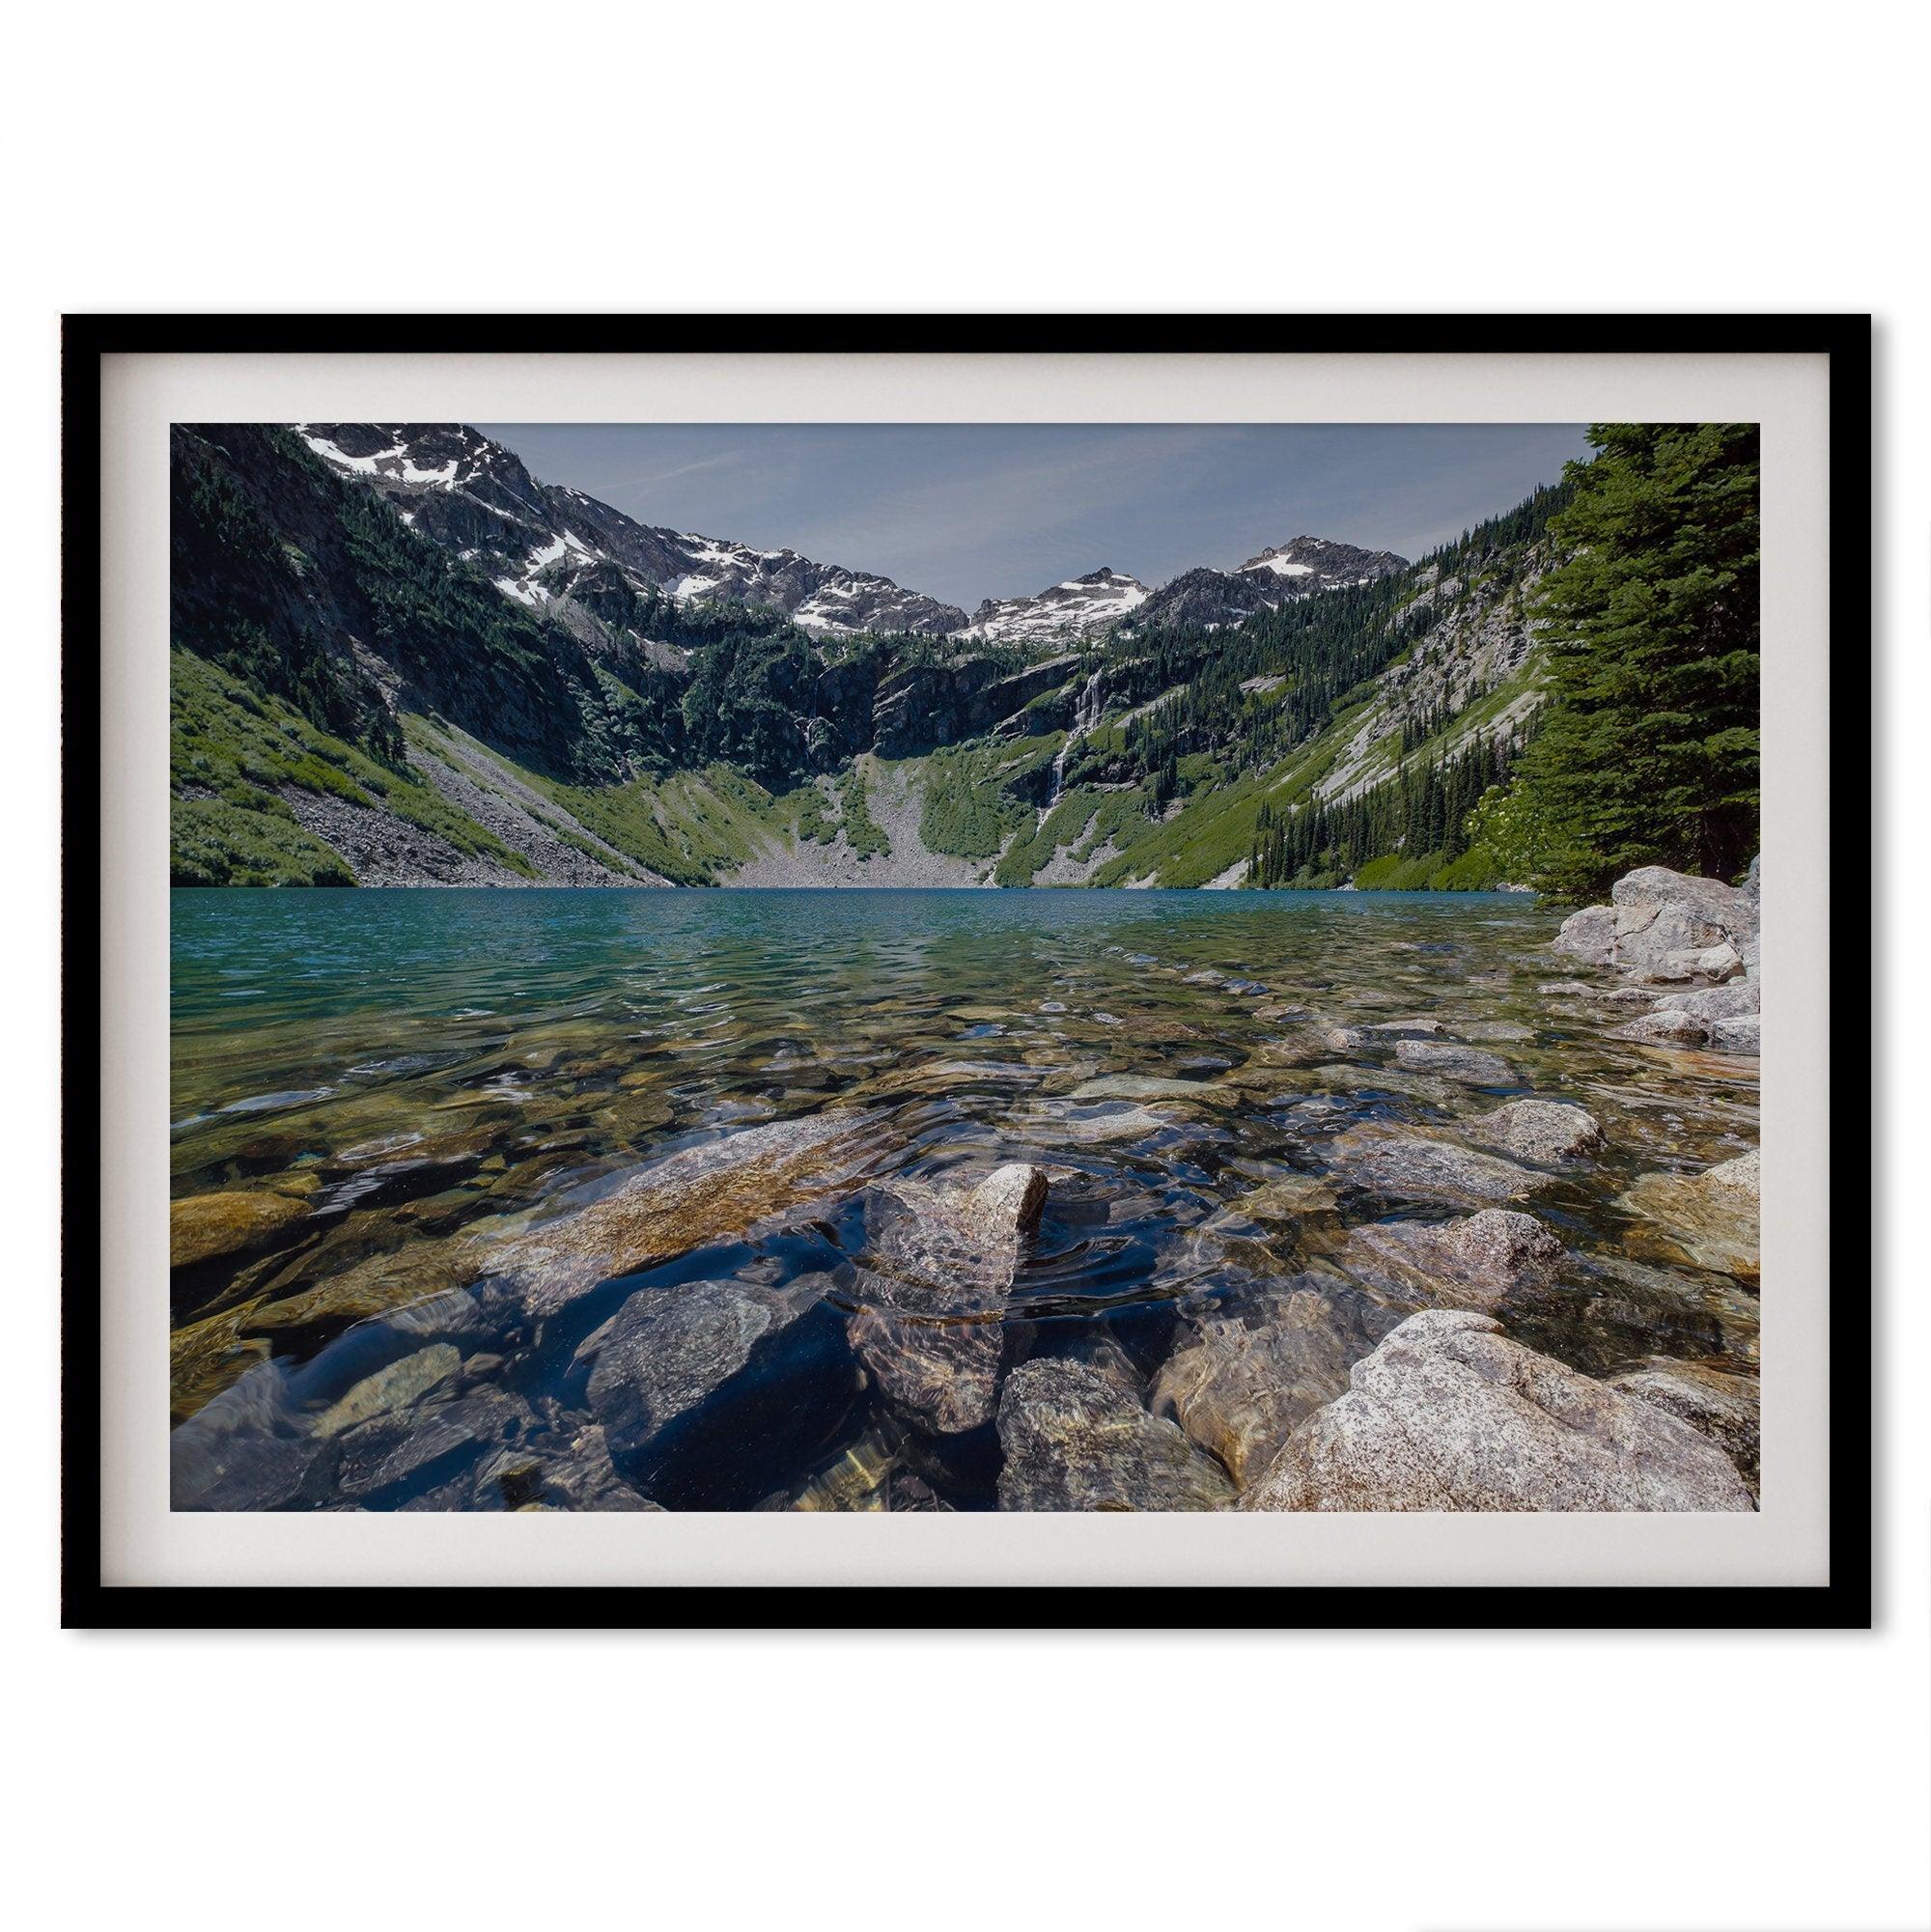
(1449,1414)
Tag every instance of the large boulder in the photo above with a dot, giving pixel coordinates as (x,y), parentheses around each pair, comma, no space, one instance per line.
(1722,1405)
(1449,1414)
(1715,1003)
(1589,936)
(1671,924)
(1072,1438)
(1702,912)
(1665,926)
(1742,1034)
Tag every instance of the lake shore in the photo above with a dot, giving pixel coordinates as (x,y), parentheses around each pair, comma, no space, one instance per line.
(947,1199)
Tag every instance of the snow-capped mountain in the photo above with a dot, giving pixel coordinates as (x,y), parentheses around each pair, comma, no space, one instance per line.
(1305,565)
(1077,608)
(583,562)
(1082,608)
(1302,567)
(551,547)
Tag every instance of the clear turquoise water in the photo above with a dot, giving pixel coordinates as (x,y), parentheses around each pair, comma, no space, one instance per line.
(422,1062)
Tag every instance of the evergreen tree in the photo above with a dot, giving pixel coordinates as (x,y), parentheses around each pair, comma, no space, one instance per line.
(1647,750)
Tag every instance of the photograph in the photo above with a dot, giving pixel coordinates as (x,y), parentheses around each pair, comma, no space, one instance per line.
(908,884)
(965,967)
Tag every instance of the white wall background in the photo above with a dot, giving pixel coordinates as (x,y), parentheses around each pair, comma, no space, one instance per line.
(1218,158)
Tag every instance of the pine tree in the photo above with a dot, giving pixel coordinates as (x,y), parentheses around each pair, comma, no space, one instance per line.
(1647,750)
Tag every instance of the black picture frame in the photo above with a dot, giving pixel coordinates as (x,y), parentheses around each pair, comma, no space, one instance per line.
(1844,1602)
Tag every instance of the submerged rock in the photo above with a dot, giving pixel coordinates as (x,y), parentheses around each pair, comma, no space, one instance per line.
(396,1386)
(1465,1263)
(1449,1414)
(1447,1061)
(668,1350)
(1291,1197)
(1708,1219)
(207,1357)
(1073,1438)
(1099,1125)
(245,1449)
(941,1368)
(373,1286)
(1495,1029)
(930,1327)
(1244,1380)
(1144,1086)
(1539,1130)
(1723,1405)
(401,1447)
(942,1076)
(858,1480)
(204,1227)
(574,1475)
(683,1201)
(1294,1049)
(1417,1168)
(1671,1026)
(1376,1079)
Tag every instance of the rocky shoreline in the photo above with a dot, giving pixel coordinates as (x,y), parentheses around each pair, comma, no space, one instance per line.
(1398,1362)
(1686,948)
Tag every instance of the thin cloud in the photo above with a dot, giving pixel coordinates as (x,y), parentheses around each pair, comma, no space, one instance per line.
(723,460)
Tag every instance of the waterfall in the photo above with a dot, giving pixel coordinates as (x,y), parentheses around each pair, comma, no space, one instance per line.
(1085,715)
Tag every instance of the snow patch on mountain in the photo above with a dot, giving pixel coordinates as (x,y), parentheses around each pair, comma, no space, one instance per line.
(535,541)
(1078,608)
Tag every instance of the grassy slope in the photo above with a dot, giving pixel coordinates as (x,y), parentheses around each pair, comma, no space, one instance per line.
(692,828)
(976,795)
(241,748)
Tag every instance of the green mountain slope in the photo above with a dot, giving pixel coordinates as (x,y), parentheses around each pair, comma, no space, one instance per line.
(355,701)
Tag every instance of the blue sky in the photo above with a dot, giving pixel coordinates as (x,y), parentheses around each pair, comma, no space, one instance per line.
(967,511)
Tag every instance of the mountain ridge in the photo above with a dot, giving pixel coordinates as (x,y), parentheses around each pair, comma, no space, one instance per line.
(477,497)
(402,660)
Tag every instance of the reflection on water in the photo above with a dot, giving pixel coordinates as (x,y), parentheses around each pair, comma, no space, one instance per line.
(377,1095)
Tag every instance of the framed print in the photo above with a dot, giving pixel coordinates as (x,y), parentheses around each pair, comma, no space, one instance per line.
(1133,970)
